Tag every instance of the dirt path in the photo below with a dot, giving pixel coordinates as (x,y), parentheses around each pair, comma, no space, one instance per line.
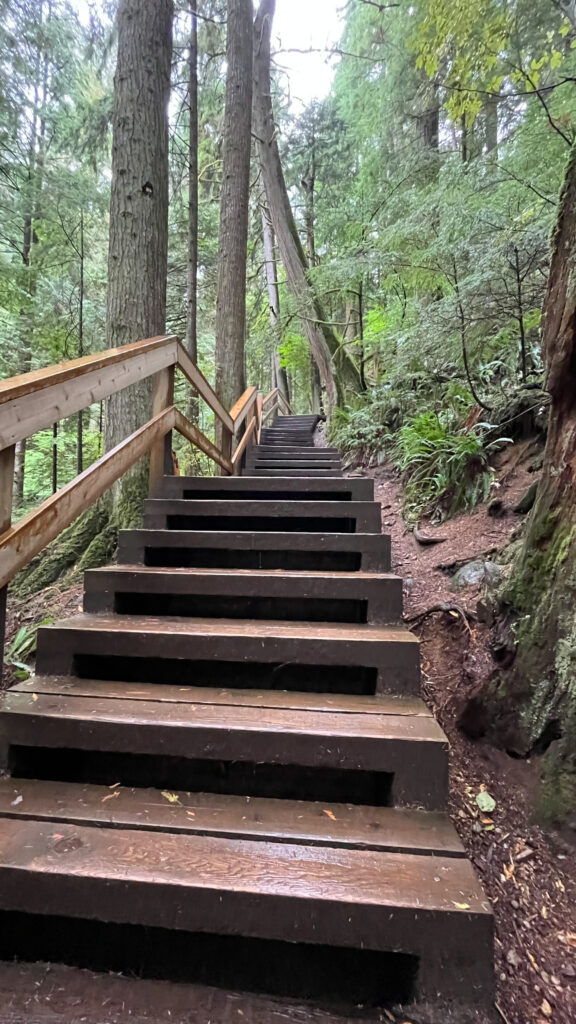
(530,875)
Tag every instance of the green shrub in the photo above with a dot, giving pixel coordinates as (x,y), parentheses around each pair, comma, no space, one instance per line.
(443,472)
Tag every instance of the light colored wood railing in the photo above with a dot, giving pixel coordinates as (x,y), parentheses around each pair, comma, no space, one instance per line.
(273,403)
(37,400)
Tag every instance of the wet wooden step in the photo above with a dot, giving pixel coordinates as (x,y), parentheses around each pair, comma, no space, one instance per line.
(246,593)
(301,516)
(402,760)
(295,473)
(340,489)
(307,551)
(379,658)
(342,703)
(286,462)
(288,821)
(308,894)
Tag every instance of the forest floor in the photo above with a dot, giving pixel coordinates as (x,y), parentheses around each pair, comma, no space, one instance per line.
(529,873)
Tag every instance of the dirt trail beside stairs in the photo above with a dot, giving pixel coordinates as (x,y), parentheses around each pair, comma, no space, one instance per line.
(529,874)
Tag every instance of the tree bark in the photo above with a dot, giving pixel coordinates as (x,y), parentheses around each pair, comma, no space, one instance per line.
(537,708)
(270,264)
(192,277)
(233,237)
(337,370)
(138,244)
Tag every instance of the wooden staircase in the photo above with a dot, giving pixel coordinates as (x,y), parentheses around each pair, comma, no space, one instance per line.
(230,739)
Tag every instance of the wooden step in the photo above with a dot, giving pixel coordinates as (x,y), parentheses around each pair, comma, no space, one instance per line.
(342,703)
(298,516)
(295,473)
(349,826)
(286,655)
(339,489)
(290,463)
(305,551)
(357,898)
(271,449)
(245,593)
(378,759)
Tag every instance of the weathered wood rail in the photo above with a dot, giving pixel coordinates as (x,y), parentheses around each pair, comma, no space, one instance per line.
(36,400)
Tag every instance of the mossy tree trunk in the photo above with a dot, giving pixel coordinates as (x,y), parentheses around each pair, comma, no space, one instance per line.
(138,246)
(233,236)
(539,691)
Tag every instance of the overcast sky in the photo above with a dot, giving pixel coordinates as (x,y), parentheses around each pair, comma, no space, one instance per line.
(300,24)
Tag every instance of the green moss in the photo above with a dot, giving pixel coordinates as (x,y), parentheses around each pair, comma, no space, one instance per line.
(61,554)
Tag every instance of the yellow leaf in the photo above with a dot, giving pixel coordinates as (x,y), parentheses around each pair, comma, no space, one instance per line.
(330,815)
(462,906)
(546,1009)
(110,796)
(544,912)
(172,798)
(34,696)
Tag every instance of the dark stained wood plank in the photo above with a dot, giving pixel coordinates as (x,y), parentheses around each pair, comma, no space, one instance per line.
(344,825)
(164,692)
(432,907)
(412,749)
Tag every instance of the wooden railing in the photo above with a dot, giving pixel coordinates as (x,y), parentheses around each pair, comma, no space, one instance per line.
(39,399)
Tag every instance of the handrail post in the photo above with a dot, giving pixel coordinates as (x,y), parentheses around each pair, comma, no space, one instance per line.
(161,462)
(226,445)
(7,458)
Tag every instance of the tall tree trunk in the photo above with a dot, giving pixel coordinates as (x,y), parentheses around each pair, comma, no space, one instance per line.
(233,238)
(80,425)
(538,694)
(337,370)
(270,263)
(192,278)
(138,245)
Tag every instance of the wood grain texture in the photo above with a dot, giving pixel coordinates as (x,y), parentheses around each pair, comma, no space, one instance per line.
(317,824)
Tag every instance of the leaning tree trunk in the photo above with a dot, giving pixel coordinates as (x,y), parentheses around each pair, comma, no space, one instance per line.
(337,371)
(233,239)
(539,692)
(192,271)
(271,267)
(138,245)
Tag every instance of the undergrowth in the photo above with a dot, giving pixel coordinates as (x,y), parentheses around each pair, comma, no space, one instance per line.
(444,461)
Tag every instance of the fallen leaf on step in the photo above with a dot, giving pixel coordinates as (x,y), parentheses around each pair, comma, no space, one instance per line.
(330,815)
(34,696)
(172,798)
(110,796)
(115,785)
(191,814)
(462,906)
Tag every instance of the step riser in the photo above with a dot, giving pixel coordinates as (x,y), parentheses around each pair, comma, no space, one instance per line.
(245,488)
(453,947)
(277,516)
(390,667)
(239,596)
(302,552)
(371,772)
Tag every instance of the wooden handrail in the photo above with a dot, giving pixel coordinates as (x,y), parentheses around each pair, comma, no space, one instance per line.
(247,437)
(243,406)
(36,400)
(20,543)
